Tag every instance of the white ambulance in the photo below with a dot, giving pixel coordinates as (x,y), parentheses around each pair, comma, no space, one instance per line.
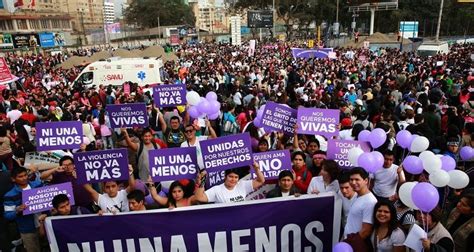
(116,71)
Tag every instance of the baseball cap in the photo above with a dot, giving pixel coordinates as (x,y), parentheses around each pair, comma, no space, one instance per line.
(346,122)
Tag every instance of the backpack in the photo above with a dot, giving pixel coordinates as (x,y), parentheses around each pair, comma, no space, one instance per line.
(142,146)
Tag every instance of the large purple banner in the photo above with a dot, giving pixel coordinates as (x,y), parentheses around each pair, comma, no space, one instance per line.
(227,152)
(128,115)
(58,135)
(338,150)
(169,95)
(272,163)
(313,121)
(97,166)
(246,226)
(39,199)
(173,163)
(277,117)
(311,53)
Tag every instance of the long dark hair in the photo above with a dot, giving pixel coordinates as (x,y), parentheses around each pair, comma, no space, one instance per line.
(171,200)
(393,223)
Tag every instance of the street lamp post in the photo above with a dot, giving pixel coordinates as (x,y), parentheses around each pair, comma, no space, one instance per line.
(438,27)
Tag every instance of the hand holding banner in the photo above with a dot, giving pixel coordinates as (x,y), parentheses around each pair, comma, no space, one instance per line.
(128,115)
(58,135)
(97,166)
(170,95)
(272,163)
(313,121)
(39,199)
(227,152)
(173,164)
(277,117)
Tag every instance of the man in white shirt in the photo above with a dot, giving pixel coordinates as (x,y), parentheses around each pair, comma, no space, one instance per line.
(232,190)
(347,195)
(14,113)
(193,141)
(113,200)
(360,218)
(388,178)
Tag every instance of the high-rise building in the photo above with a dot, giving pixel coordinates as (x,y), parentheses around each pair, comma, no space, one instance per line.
(209,17)
(109,12)
(86,15)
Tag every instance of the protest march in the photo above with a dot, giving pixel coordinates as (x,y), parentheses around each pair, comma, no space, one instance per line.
(366,150)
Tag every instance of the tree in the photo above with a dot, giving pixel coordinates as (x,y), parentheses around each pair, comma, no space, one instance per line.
(145,13)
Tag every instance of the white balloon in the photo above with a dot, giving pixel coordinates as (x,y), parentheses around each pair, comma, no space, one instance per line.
(353,154)
(193,98)
(426,155)
(432,164)
(458,179)
(419,144)
(439,178)
(404,193)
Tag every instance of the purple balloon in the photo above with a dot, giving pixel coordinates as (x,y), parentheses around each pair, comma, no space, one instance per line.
(466,153)
(193,112)
(377,137)
(364,136)
(342,247)
(404,139)
(214,116)
(413,164)
(367,161)
(204,107)
(215,106)
(211,96)
(425,196)
(379,159)
(448,163)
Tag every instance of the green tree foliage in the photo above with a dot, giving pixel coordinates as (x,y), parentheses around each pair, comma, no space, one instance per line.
(144,13)
(458,18)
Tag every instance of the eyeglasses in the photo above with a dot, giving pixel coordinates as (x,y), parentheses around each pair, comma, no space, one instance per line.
(189,131)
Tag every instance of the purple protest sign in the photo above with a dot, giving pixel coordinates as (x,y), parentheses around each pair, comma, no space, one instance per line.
(171,95)
(58,135)
(313,121)
(338,150)
(97,166)
(227,152)
(277,117)
(214,178)
(39,199)
(128,115)
(272,163)
(311,53)
(246,226)
(173,164)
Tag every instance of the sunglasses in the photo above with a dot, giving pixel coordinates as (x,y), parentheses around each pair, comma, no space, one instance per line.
(189,131)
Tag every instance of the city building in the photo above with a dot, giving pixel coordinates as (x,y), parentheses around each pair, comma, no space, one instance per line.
(43,15)
(86,15)
(209,17)
(109,12)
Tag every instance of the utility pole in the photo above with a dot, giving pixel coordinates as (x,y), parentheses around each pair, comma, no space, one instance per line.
(274,16)
(438,27)
(159,29)
(81,11)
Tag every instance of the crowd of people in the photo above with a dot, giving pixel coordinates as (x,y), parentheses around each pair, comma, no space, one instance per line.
(386,88)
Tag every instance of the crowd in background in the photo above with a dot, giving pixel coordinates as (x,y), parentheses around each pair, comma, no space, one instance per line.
(383,88)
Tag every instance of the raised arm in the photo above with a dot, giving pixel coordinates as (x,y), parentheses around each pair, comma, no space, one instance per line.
(163,201)
(92,192)
(260,179)
(131,179)
(133,146)
(199,194)
(212,132)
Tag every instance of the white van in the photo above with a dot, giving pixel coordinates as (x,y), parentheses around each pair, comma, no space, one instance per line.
(432,48)
(116,71)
